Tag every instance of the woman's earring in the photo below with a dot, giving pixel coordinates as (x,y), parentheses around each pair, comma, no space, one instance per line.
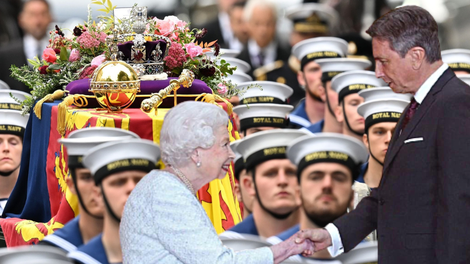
(198,164)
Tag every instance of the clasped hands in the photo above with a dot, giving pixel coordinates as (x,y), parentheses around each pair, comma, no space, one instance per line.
(305,242)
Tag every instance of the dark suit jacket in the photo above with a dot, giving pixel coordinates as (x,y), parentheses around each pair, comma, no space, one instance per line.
(12,54)
(281,54)
(422,207)
(214,32)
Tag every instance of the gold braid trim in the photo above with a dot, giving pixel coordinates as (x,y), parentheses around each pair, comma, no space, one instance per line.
(213,98)
(58,94)
(76,99)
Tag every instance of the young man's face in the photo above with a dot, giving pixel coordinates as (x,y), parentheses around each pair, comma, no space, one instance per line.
(348,109)
(325,191)
(310,77)
(89,192)
(277,185)
(379,137)
(118,186)
(11,147)
(242,190)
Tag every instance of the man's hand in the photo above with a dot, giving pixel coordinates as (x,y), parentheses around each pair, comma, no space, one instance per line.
(291,247)
(320,237)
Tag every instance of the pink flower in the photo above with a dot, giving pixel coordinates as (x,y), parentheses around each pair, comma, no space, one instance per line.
(165,27)
(91,40)
(222,89)
(176,56)
(87,72)
(74,55)
(97,61)
(49,55)
(193,50)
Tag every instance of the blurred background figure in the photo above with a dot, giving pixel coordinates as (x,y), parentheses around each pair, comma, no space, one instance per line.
(262,48)
(9,28)
(34,20)
(238,25)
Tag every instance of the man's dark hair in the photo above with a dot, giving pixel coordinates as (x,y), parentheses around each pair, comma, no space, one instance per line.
(407,27)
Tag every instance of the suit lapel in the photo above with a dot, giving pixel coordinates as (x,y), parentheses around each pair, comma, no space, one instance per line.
(398,139)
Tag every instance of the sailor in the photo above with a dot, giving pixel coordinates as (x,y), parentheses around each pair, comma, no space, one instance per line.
(89,222)
(11,99)
(243,181)
(458,60)
(116,168)
(274,183)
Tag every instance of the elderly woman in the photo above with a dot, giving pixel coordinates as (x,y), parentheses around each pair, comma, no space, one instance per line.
(163,221)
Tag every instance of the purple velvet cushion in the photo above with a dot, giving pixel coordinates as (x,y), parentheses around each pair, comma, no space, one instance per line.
(146,87)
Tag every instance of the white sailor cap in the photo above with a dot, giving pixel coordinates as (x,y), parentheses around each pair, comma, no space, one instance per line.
(263,115)
(270,92)
(8,102)
(465,78)
(312,18)
(239,77)
(319,48)
(242,66)
(266,145)
(384,92)
(4,86)
(224,53)
(111,157)
(39,254)
(457,59)
(354,81)
(327,147)
(239,242)
(13,122)
(81,141)
(239,162)
(381,110)
(334,66)
(365,252)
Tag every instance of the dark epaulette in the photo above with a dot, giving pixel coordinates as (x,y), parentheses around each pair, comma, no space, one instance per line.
(260,73)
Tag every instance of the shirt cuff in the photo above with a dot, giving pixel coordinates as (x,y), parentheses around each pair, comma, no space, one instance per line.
(336,247)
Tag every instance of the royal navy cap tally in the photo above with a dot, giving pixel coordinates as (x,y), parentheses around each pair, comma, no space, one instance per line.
(319,48)
(266,145)
(113,157)
(80,141)
(13,122)
(239,162)
(327,147)
(334,66)
(384,92)
(239,77)
(264,92)
(457,59)
(242,66)
(312,18)
(8,102)
(350,82)
(263,115)
(381,110)
(465,78)
(4,86)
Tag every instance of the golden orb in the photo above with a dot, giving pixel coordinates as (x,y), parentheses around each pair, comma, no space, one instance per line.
(115,85)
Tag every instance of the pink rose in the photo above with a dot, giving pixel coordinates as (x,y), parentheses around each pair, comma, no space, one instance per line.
(74,55)
(165,27)
(222,89)
(193,50)
(97,61)
(49,55)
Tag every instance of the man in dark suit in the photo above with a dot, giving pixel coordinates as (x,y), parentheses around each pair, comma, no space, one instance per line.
(262,47)
(422,206)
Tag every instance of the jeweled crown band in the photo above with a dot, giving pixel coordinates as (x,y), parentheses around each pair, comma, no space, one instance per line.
(123,165)
(381,117)
(317,55)
(265,155)
(328,156)
(262,100)
(278,122)
(353,88)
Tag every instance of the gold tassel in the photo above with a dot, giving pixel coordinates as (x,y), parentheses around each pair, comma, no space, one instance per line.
(76,99)
(58,94)
(213,98)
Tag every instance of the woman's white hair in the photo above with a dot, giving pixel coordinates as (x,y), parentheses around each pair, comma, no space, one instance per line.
(252,4)
(188,126)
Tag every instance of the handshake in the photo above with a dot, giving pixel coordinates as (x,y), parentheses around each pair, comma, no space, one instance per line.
(305,242)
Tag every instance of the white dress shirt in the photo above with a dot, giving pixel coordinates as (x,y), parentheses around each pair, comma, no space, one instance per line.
(337,245)
(33,47)
(269,53)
